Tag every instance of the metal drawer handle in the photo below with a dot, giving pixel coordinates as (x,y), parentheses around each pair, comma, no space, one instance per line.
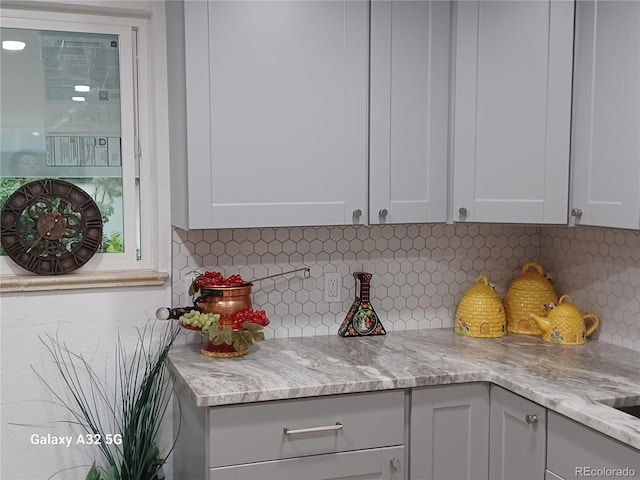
(327,428)
(531,419)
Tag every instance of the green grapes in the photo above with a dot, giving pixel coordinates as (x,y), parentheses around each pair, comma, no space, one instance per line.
(203,321)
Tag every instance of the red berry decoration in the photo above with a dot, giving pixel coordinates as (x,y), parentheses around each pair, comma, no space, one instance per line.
(252,316)
(216,279)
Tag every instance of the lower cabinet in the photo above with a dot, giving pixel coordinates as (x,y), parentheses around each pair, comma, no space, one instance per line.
(575,451)
(448,432)
(470,431)
(360,435)
(517,437)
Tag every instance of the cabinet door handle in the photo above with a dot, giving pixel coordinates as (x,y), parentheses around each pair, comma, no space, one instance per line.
(531,419)
(383,212)
(576,212)
(463,211)
(357,213)
(326,428)
(395,463)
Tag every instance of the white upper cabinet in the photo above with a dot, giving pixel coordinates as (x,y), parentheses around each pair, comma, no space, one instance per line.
(606,115)
(512,111)
(409,111)
(269,112)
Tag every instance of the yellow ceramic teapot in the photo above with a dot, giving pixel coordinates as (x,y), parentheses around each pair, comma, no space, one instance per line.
(565,324)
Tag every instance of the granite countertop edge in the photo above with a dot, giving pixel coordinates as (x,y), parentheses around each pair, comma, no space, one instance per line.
(580,382)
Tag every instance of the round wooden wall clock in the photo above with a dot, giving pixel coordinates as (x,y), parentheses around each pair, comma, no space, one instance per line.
(50,227)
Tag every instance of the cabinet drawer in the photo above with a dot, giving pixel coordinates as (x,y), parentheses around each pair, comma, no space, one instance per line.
(256,432)
(374,464)
(575,451)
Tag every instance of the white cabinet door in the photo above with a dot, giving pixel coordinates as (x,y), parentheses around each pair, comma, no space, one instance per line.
(409,111)
(575,451)
(449,431)
(606,115)
(512,111)
(275,116)
(517,441)
(374,464)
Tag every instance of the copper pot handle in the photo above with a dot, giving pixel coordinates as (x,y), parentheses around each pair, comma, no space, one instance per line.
(307,274)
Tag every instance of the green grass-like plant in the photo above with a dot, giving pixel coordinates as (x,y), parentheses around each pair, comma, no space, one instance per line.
(133,407)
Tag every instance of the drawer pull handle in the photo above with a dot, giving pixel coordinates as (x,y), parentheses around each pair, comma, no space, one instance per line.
(327,428)
(531,419)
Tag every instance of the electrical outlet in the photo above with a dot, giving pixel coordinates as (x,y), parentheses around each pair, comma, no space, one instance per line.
(332,287)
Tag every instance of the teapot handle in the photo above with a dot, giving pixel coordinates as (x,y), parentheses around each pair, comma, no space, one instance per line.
(535,265)
(596,322)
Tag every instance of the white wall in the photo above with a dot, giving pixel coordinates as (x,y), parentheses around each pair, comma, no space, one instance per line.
(89,321)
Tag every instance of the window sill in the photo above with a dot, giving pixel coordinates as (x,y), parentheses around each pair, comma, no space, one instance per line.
(78,281)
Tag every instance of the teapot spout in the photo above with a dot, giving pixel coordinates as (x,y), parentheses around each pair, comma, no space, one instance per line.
(543,322)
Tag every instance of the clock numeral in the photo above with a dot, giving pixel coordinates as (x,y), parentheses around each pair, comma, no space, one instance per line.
(91,243)
(67,190)
(87,204)
(47,185)
(94,223)
(27,191)
(10,207)
(33,263)
(15,249)
(8,229)
(77,259)
(55,266)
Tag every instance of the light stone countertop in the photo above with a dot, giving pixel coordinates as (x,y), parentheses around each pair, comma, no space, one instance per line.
(571,380)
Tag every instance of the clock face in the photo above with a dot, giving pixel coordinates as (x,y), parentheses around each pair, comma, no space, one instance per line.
(50,227)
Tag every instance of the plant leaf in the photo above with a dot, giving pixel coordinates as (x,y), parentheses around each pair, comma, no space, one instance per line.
(226,334)
(258,336)
(132,407)
(194,287)
(93,473)
(112,474)
(252,327)
(240,343)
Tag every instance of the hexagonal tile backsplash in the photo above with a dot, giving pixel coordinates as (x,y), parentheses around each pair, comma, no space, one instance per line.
(599,268)
(419,271)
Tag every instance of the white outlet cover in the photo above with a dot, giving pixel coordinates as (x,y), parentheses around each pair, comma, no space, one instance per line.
(328,279)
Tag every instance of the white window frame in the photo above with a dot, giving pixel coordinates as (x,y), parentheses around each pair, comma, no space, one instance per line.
(136,125)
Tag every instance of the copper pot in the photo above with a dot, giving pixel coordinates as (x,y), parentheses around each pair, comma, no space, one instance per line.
(226,301)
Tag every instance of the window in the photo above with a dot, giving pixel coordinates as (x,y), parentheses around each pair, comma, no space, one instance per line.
(73,91)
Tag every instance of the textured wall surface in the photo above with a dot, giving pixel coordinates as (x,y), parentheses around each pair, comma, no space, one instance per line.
(599,268)
(419,271)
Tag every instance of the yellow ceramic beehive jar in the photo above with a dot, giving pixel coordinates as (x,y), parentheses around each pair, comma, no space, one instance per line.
(480,312)
(530,293)
(565,325)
